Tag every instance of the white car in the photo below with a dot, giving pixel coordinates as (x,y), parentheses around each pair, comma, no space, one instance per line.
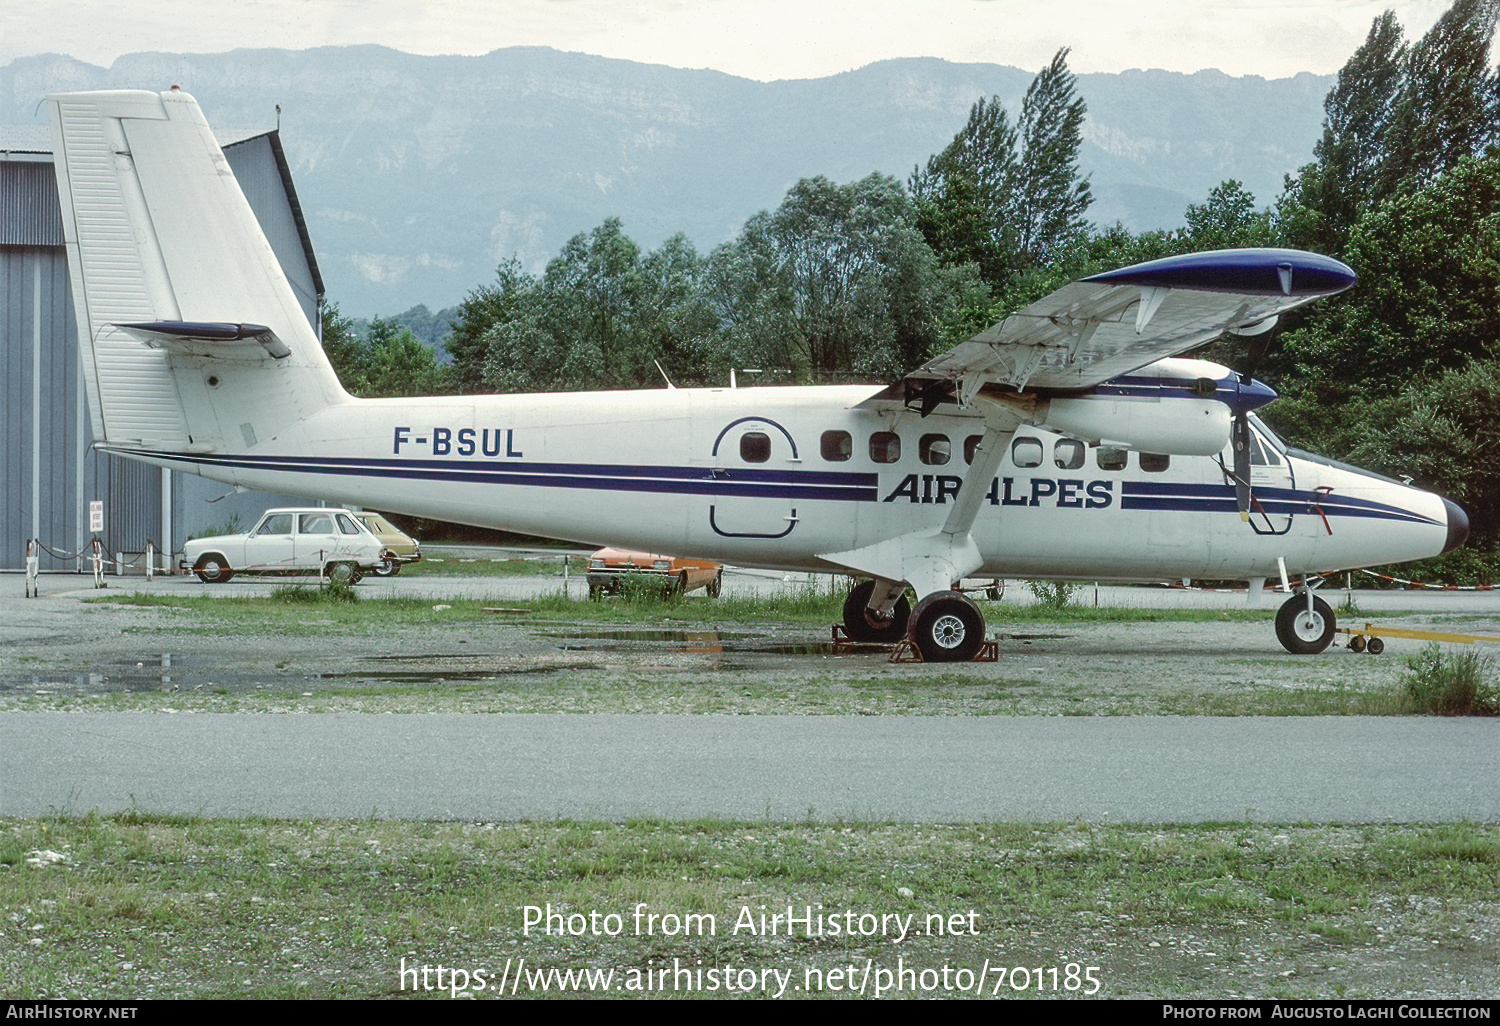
(289,541)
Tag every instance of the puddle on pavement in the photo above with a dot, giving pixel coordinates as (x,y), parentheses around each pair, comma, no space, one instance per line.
(163,671)
(187,673)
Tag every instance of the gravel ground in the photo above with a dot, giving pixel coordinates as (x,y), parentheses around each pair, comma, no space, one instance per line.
(59,652)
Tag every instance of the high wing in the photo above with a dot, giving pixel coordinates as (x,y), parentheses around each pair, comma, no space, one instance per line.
(1110,324)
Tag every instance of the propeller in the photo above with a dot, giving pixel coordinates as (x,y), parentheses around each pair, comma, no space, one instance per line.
(1261,335)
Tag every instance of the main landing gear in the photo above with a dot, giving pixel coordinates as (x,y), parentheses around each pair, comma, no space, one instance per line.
(946,627)
(869,627)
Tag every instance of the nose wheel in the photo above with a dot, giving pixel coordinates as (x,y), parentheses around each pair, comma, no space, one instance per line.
(1304,630)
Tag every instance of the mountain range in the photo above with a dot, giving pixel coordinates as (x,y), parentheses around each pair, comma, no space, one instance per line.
(418,175)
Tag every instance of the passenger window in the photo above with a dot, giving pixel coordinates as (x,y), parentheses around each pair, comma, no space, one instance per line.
(971,446)
(1026,452)
(347,525)
(281,523)
(1154,463)
(1068,454)
(317,523)
(838,446)
(1111,458)
(935,450)
(885,447)
(755,447)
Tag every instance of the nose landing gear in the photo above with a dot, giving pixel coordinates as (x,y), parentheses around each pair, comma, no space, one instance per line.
(1305,625)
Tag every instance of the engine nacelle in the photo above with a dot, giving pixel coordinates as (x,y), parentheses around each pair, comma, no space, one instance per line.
(1172,427)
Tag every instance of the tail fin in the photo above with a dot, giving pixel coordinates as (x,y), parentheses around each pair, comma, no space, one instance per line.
(191,337)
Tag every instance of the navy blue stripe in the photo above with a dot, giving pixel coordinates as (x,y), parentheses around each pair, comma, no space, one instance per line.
(1164,495)
(673,480)
(592,469)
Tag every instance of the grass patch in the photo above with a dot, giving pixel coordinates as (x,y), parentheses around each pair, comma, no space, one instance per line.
(329,592)
(446,566)
(1451,683)
(165,906)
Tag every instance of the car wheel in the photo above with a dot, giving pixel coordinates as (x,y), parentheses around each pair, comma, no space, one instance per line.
(947,628)
(859,626)
(387,567)
(345,574)
(716,586)
(1301,632)
(213,569)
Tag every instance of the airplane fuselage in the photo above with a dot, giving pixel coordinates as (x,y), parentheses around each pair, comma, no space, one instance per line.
(780,477)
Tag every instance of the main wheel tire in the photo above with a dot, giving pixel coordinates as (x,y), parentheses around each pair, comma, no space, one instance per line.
(947,627)
(1301,632)
(213,569)
(345,574)
(716,586)
(860,628)
(387,567)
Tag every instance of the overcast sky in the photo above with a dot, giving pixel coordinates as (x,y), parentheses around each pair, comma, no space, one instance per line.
(760,39)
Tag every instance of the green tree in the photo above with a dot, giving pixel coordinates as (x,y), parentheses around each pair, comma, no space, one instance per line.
(675,316)
(847,280)
(346,351)
(1228,220)
(506,299)
(1006,198)
(1447,107)
(603,315)
(965,196)
(1325,199)
(398,364)
(1428,298)
(1052,194)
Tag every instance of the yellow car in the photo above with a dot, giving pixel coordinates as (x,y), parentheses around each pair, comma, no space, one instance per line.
(400,547)
(608,568)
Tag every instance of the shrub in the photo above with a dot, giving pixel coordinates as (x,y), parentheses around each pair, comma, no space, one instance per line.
(1450,684)
(1053,594)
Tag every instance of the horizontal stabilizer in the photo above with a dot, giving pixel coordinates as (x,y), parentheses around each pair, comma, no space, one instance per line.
(211,340)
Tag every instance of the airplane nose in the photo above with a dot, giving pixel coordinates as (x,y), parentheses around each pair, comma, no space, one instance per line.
(1458,526)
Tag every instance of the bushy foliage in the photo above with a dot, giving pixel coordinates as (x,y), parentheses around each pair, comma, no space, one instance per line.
(1451,683)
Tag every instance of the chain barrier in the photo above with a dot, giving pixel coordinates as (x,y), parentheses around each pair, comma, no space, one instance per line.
(94,555)
(1429,587)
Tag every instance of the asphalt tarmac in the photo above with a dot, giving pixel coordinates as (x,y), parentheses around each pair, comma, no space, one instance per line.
(613,767)
(605,766)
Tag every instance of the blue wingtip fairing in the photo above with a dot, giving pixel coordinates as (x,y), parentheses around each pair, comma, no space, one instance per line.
(1272,272)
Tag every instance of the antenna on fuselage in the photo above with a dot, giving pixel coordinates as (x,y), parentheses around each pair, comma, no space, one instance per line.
(664,374)
(732,382)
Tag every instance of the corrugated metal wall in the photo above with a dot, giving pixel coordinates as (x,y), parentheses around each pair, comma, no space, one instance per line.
(45,456)
(29,211)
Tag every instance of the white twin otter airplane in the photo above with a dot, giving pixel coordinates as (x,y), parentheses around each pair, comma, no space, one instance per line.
(1065,442)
